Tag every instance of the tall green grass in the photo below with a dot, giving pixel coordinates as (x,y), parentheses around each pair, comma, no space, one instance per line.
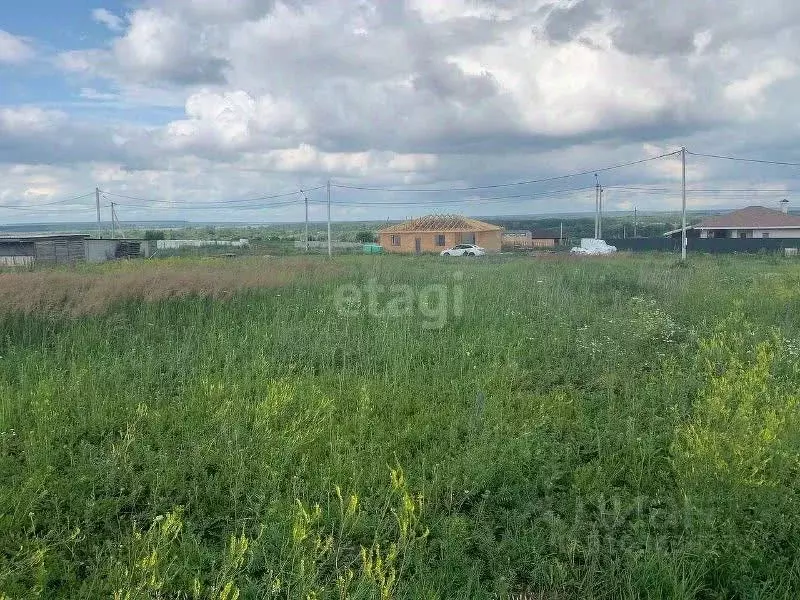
(619,428)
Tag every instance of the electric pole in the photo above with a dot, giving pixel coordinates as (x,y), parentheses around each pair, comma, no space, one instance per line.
(330,251)
(600,219)
(115,222)
(561,233)
(683,208)
(635,222)
(596,205)
(305,198)
(97,199)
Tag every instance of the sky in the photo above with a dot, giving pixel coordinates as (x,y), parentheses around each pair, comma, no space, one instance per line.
(225,110)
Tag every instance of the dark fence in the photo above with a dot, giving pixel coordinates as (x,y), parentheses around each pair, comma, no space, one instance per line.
(646,244)
(709,246)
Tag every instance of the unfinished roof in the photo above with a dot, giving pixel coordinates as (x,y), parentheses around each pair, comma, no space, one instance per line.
(441,223)
(751,217)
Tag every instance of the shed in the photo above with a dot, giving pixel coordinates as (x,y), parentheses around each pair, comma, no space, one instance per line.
(67,249)
(537,238)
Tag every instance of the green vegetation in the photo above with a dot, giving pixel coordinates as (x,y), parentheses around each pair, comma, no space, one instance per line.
(597,428)
(366,237)
(615,225)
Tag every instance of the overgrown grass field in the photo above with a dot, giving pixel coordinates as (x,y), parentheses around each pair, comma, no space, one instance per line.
(597,428)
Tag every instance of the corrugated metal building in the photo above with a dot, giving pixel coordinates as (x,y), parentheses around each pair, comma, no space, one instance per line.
(68,249)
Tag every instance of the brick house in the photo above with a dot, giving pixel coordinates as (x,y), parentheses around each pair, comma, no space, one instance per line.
(434,233)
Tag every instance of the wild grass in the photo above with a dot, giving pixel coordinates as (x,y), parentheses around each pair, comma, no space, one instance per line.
(616,428)
(94,289)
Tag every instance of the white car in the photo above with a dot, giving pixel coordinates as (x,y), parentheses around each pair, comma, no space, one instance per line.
(464,250)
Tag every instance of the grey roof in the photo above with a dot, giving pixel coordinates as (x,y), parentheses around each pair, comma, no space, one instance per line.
(17,239)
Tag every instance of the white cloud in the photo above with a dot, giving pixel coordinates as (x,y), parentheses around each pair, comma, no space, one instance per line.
(156,47)
(29,119)
(160,45)
(14,50)
(221,98)
(232,120)
(107,18)
(749,91)
(441,11)
(92,94)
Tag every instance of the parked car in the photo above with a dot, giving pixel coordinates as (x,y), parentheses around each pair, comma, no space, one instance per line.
(464,250)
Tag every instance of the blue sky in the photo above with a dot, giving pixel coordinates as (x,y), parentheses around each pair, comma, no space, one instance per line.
(181,106)
(63,25)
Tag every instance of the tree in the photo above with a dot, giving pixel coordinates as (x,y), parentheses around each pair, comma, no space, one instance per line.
(365,237)
(153,235)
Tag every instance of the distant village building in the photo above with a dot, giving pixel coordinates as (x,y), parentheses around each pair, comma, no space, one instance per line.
(751,222)
(434,233)
(178,244)
(538,238)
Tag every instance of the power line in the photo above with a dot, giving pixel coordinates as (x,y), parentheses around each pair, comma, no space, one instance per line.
(207,207)
(501,185)
(49,210)
(217,202)
(55,202)
(530,196)
(748,160)
(277,200)
(619,190)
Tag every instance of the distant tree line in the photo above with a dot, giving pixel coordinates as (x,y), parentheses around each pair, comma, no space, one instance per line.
(614,226)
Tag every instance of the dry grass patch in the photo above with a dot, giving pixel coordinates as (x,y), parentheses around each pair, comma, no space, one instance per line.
(94,289)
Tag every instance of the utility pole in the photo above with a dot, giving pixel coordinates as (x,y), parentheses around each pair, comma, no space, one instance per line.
(97,199)
(600,219)
(330,251)
(115,222)
(635,222)
(683,208)
(596,206)
(561,233)
(305,198)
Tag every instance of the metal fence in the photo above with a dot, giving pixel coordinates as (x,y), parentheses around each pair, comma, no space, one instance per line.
(324,245)
(707,246)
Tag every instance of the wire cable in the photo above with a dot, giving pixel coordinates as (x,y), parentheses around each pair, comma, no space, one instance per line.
(49,210)
(529,196)
(204,207)
(501,185)
(64,201)
(748,160)
(219,202)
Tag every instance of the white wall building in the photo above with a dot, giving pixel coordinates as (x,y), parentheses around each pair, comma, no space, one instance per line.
(751,222)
